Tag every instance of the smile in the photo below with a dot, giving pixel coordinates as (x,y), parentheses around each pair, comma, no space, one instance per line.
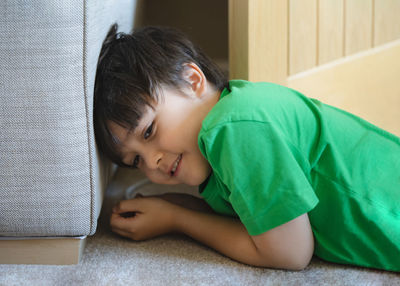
(176,165)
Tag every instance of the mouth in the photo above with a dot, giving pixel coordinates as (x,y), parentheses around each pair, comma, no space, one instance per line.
(175,166)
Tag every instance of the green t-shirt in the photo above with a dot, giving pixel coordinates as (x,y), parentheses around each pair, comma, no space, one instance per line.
(277,154)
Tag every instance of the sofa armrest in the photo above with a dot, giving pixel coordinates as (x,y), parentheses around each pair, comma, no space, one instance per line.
(52,179)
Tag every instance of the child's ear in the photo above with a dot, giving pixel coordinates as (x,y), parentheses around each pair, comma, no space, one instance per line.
(193,75)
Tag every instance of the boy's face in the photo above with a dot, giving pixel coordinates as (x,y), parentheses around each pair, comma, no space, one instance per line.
(164,144)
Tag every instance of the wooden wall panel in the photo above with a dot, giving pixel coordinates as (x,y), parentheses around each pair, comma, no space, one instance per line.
(387,21)
(358,25)
(302,35)
(365,84)
(268,40)
(330,30)
(258,40)
(238,14)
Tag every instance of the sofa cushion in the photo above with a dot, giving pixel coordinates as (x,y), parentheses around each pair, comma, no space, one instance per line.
(51,179)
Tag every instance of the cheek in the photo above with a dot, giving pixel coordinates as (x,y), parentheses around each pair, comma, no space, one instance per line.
(152,176)
(172,138)
(179,130)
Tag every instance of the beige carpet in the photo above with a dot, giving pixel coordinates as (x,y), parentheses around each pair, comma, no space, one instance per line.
(174,260)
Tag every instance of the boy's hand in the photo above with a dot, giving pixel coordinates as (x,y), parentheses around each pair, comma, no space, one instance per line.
(143,218)
(288,246)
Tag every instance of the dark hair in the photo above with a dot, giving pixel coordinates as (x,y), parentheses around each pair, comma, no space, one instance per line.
(131,68)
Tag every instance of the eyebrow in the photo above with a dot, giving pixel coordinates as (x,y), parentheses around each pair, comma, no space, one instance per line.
(131,131)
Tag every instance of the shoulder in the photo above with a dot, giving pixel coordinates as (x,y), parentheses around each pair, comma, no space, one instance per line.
(253,102)
(244,94)
(254,92)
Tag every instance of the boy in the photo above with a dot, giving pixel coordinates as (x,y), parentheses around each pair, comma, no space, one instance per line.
(283,169)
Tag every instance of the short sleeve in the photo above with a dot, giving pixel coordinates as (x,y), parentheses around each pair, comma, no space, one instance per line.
(267,177)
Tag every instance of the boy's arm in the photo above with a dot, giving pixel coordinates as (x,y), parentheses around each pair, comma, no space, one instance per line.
(289,246)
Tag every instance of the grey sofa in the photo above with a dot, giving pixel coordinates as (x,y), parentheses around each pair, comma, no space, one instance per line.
(51,176)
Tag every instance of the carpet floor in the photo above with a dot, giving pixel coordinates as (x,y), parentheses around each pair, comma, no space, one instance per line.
(174,260)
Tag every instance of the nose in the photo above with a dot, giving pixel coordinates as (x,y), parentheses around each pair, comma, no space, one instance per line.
(153,159)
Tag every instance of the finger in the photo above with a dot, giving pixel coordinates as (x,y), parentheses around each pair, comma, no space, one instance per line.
(127,214)
(121,232)
(126,206)
(123,226)
(118,221)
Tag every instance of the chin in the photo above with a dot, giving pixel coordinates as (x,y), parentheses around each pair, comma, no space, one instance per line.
(197,181)
(189,180)
(194,184)
(164,182)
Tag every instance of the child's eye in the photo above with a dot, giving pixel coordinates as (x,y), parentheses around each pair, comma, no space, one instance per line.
(149,131)
(135,162)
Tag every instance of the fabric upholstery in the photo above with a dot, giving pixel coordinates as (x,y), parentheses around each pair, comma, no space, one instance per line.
(51,177)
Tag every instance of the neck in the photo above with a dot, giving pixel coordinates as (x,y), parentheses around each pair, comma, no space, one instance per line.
(211,97)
